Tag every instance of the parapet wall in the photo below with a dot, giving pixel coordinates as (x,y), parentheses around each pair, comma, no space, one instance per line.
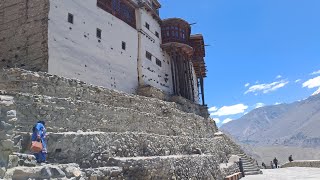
(24,34)
(310,163)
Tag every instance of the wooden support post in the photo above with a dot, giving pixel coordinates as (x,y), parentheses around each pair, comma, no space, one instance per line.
(177,73)
(186,74)
(173,75)
(202,90)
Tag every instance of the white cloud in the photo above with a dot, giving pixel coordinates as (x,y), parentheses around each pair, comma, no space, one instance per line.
(312,83)
(213,109)
(278,77)
(266,88)
(247,85)
(227,120)
(298,80)
(230,110)
(277,103)
(217,120)
(317,92)
(315,73)
(259,105)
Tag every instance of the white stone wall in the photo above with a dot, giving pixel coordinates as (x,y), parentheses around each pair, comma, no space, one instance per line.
(74,50)
(152,74)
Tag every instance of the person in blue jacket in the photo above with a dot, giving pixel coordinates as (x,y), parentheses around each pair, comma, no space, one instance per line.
(39,134)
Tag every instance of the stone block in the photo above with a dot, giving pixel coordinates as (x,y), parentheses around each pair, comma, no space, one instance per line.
(2,172)
(13,161)
(7,145)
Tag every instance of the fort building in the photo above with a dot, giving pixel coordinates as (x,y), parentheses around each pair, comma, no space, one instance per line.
(88,69)
(118,44)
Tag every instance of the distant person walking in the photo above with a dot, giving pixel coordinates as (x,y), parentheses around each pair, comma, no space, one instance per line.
(264,165)
(275,161)
(271,164)
(39,135)
(290,158)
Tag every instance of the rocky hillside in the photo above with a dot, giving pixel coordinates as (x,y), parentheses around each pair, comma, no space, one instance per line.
(295,124)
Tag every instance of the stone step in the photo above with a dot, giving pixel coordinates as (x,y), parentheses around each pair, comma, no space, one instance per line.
(252,173)
(155,167)
(62,114)
(250,165)
(18,80)
(65,171)
(251,169)
(169,167)
(93,149)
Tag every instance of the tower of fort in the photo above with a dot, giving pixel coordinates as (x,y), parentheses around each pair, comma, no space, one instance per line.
(121,91)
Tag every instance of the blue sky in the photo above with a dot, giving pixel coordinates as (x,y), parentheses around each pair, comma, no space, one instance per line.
(270,44)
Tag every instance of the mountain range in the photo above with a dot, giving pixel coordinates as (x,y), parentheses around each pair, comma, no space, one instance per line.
(271,129)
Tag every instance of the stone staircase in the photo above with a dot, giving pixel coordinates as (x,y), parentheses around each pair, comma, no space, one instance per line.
(108,134)
(249,165)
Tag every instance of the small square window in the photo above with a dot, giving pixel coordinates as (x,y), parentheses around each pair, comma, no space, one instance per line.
(157,34)
(99,33)
(158,62)
(148,55)
(147,26)
(124,45)
(70,18)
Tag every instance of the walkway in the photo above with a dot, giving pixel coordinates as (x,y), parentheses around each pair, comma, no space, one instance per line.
(296,173)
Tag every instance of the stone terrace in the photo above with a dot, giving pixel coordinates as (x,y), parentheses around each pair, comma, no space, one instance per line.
(144,138)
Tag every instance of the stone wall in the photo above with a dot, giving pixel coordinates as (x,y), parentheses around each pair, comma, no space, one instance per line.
(65,114)
(149,91)
(18,80)
(24,34)
(7,125)
(311,163)
(99,147)
(189,106)
(170,167)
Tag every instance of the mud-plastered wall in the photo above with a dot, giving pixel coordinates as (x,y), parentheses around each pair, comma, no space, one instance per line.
(24,34)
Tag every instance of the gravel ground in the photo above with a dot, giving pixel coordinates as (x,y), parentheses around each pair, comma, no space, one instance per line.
(294,173)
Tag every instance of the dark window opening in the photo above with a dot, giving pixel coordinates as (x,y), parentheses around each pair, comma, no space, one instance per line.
(148,55)
(99,33)
(158,62)
(147,26)
(157,34)
(124,45)
(70,18)
(58,150)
